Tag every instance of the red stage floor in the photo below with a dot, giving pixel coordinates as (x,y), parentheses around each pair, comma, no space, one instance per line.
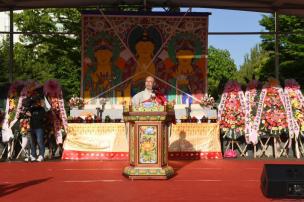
(201,180)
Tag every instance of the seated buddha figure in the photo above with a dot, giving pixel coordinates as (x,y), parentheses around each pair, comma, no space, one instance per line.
(186,70)
(184,67)
(142,65)
(99,75)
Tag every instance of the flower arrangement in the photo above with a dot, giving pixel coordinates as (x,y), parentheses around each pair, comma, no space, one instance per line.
(12,100)
(89,119)
(207,101)
(296,99)
(76,102)
(12,109)
(273,116)
(170,106)
(24,126)
(232,111)
(77,119)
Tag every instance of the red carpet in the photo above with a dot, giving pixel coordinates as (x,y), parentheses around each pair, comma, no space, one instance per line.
(73,181)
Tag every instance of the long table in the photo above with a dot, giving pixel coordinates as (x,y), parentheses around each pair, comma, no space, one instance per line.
(109,141)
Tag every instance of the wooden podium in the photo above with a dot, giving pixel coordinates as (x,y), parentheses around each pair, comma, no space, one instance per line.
(148,142)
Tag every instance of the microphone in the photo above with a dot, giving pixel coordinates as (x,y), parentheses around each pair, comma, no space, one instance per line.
(155,89)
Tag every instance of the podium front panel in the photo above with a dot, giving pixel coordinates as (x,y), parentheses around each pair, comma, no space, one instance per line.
(147,144)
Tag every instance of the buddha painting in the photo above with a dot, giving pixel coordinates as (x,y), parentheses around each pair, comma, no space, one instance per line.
(144,43)
(101,72)
(187,71)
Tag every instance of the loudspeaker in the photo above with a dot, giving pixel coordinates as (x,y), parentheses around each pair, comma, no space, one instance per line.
(283,181)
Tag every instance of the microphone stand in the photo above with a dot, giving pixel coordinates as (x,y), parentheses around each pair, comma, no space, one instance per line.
(188,111)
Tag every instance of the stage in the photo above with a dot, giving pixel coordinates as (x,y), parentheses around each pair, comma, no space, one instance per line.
(198,180)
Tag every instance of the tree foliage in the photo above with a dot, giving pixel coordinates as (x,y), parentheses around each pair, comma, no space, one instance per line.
(291,47)
(4,63)
(43,55)
(221,68)
(253,65)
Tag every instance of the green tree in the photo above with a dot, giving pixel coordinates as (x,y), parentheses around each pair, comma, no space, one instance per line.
(4,48)
(45,56)
(291,47)
(221,68)
(253,65)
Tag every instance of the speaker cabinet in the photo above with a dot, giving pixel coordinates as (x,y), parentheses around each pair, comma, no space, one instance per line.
(283,181)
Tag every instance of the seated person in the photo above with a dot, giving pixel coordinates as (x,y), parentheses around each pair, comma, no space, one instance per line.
(150,94)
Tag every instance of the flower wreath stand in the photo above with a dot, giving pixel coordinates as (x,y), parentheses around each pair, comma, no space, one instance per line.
(11,117)
(54,97)
(231,113)
(295,110)
(271,122)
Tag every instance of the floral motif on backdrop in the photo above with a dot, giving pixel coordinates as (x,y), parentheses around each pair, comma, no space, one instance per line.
(252,96)
(295,98)
(231,111)
(271,117)
(53,92)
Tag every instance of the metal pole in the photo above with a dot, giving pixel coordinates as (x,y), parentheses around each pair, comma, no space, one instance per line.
(11,47)
(277,41)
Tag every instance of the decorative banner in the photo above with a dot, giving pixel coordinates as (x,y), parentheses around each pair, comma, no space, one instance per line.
(257,119)
(198,141)
(252,96)
(96,137)
(109,141)
(119,51)
(295,107)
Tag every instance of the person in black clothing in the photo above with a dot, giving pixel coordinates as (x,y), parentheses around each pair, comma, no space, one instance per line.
(37,116)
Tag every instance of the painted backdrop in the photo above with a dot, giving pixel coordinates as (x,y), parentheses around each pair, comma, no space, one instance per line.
(119,51)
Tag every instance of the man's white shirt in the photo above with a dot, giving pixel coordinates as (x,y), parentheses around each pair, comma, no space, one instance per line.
(141,96)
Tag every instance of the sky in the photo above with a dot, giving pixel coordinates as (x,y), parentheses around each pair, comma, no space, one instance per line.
(233,21)
(219,21)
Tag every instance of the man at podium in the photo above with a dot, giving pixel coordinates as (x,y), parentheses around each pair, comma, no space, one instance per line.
(150,94)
